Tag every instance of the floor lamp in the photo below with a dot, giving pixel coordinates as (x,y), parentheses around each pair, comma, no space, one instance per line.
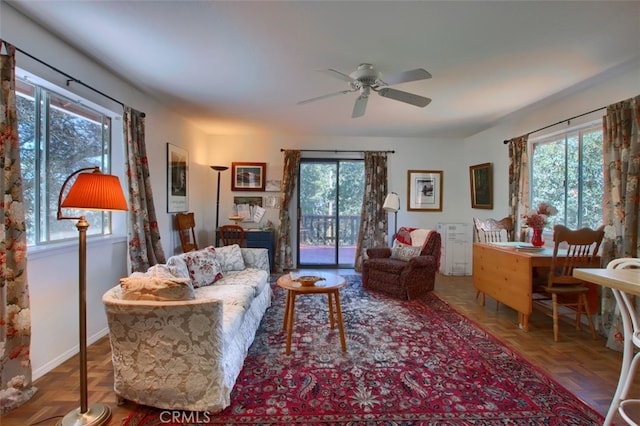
(90,191)
(218,169)
(392,204)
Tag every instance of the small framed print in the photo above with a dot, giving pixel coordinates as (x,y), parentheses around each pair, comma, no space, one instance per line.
(273,186)
(481,182)
(177,179)
(424,190)
(248,176)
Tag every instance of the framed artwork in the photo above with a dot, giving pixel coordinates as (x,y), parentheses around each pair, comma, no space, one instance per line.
(424,190)
(481,184)
(273,186)
(177,179)
(248,176)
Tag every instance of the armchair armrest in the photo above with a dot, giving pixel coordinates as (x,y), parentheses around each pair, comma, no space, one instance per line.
(379,252)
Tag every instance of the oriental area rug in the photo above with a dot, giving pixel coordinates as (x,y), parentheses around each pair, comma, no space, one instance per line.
(415,362)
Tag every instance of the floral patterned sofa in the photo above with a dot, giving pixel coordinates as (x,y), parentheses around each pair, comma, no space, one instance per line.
(406,270)
(180,332)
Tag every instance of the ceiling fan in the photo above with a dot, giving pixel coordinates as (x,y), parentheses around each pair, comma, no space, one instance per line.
(366,79)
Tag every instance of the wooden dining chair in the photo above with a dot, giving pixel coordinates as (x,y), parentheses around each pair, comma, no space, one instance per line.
(493,231)
(185,223)
(232,234)
(563,289)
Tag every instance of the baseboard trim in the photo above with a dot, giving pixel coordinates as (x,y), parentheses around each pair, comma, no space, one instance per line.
(36,374)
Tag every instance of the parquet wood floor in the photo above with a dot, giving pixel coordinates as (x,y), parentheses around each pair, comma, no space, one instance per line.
(582,365)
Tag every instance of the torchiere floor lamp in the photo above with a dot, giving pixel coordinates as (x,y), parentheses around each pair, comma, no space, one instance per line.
(392,204)
(218,169)
(90,191)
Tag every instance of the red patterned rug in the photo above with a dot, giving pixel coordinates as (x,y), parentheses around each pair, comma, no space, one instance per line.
(407,363)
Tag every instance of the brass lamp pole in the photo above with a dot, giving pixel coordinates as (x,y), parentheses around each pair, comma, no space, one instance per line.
(90,191)
(218,169)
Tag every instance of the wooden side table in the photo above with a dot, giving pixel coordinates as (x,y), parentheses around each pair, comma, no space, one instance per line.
(330,286)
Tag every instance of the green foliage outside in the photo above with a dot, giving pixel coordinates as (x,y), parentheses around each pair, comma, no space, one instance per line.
(569,175)
(326,186)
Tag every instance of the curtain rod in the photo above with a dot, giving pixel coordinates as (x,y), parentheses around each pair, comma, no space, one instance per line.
(336,150)
(71,78)
(560,122)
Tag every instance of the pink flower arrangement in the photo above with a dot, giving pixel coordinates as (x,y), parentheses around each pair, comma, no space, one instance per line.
(537,219)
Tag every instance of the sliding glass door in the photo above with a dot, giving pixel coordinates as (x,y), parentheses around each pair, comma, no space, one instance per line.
(330,201)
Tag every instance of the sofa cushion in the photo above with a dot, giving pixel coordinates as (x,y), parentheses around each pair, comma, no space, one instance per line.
(230,258)
(203,266)
(404,252)
(156,284)
(255,278)
(237,295)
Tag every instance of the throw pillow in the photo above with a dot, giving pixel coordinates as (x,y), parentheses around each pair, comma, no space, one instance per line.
(230,258)
(145,286)
(177,266)
(204,268)
(404,252)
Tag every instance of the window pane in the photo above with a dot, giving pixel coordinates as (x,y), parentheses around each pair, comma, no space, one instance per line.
(57,137)
(548,171)
(26,111)
(593,179)
(568,173)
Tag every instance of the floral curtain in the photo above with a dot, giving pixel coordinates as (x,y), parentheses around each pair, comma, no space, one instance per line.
(519,184)
(145,249)
(621,153)
(15,316)
(284,257)
(373,220)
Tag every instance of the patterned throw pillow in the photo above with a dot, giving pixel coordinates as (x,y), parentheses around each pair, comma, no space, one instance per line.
(204,268)
(404,252)
(230,258)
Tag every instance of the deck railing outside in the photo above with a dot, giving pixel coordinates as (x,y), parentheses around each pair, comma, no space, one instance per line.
(321,230)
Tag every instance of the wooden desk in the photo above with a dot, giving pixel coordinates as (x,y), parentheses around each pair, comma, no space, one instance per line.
(626,281)
(506,275)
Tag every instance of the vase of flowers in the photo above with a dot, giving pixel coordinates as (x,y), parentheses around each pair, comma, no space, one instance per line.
(536,220)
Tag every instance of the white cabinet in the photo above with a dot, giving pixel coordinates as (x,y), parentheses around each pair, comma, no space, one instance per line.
(457,243)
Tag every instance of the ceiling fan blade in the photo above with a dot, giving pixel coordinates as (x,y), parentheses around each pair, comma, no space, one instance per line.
(409,98)
(360,106)
(340,75)
(317,98)
(404,77)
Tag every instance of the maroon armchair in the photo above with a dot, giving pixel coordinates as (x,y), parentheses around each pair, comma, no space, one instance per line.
(406,270)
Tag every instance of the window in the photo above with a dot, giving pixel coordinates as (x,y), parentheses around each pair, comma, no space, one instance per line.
(567,172)
(57,137)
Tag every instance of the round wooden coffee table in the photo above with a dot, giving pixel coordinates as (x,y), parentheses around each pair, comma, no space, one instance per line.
(330,286)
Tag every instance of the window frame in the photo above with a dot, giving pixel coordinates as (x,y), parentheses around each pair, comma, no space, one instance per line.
(578,131)
(109,228)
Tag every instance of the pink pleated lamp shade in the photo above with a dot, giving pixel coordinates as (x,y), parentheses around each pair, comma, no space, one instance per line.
(95,191)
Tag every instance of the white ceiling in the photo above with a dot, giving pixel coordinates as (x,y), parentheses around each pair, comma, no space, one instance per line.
(237,63)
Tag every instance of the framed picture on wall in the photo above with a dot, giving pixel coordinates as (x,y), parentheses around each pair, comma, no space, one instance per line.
(248,176)
(424,190)
(481,183)
(177,179)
